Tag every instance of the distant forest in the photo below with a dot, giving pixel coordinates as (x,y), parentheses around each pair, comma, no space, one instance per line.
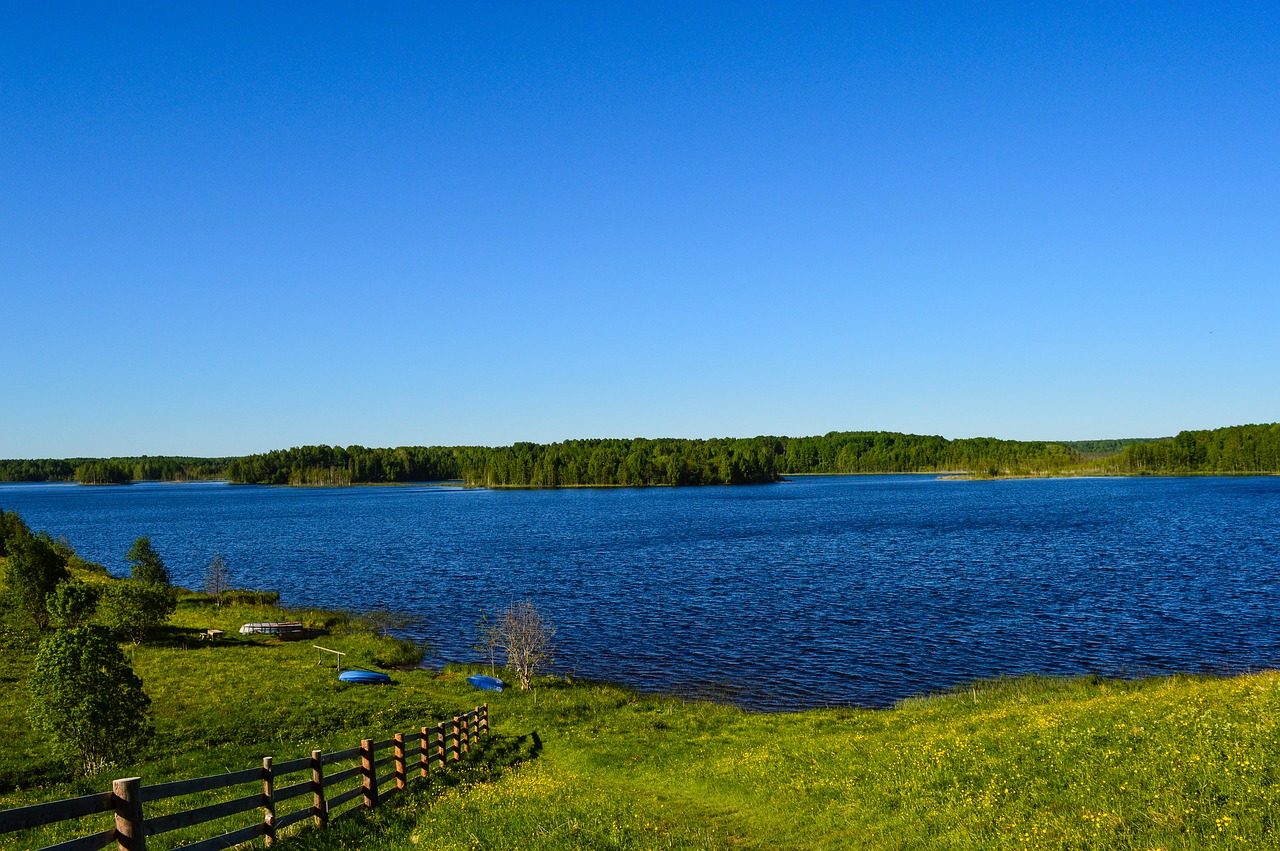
(639,462)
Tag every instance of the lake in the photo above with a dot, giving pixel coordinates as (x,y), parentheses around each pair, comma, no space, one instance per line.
(819,591)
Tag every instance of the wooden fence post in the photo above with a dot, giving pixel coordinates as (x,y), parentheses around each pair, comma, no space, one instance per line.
(426,746)
(268,801)
(464,735)
(318,811)
(131,833)
(439,743)
(475,725)
(370,779)
(453,734)
(484,719)
(401,772)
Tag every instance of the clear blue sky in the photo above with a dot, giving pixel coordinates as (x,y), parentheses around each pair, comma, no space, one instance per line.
(227,228)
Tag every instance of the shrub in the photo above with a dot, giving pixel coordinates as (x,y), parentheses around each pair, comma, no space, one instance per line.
(134,609)
(72,603)
(11,526)
(32,571)
(87,698)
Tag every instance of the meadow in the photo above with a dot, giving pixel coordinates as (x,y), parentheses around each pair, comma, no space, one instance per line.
(1180,762)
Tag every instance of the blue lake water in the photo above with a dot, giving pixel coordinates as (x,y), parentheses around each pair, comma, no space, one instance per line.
(858,590)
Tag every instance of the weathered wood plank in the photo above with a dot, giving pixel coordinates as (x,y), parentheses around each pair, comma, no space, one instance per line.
(160,791)
(85,843)
(381,746)
(386,760)
(228,840)
(38,815)
(200,815)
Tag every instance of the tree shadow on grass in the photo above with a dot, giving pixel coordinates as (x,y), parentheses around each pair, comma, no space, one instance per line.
(184,638)
(490,758)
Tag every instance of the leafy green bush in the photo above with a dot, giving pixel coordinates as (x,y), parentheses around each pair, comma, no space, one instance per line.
(88,699)
(72,603)
(32,571)
(134,609)
(11,526)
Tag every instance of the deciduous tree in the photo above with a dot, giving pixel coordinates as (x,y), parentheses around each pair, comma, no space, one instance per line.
(217,578)
(526,638)
(147,564)
(134,609)
(32,571)
(72,603)
(88,699)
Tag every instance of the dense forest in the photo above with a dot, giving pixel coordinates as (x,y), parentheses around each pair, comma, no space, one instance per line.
(1235,449)
(113,470)
(640,461)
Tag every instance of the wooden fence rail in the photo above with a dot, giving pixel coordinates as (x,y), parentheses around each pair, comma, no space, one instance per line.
(434,747)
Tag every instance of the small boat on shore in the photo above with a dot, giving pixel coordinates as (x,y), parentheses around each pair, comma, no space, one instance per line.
(285,628)
(481,681)
(365,677)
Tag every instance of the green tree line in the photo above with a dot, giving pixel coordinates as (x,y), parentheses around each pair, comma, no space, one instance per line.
(99,471)
(640,461)
(1231,450)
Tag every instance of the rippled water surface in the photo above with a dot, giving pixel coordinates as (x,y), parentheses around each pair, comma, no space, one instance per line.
(820,591)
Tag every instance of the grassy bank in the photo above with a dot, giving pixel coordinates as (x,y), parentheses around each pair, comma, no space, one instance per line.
(1170,763)
(1164,763)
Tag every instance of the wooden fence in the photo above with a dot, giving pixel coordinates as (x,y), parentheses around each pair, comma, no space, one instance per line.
(412,755)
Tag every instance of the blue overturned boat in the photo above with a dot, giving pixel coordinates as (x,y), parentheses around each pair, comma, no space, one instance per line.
(371,678)
(487,683)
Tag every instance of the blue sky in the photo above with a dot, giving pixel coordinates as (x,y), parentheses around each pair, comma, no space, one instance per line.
(229,228)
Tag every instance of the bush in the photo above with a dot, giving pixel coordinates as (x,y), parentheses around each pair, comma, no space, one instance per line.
(134,609)
(32,571)
(72,603)
(87,698)
(11,526)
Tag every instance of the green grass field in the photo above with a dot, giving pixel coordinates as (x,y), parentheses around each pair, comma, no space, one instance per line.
(1170,763)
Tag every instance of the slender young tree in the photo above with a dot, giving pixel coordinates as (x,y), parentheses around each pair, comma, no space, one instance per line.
(147,564)
(527,640)
(217,578)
